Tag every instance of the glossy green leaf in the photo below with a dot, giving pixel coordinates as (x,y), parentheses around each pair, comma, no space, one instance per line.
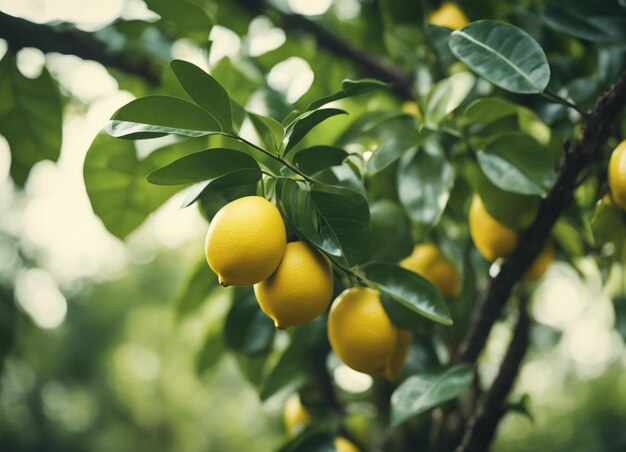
(422,392)
(389,220)
(425,180)
(446,96)
(597,21)
(516,162)
(31,118)
(153,116)
(270,131)
(343,175)
(196,288)
(208,165)
(247,329)
(116,183)
(350,88)
(503,54)
(183,14)
(314,159)
(214,196)
(205,91)
(396,138)
(409,289)
(298,129)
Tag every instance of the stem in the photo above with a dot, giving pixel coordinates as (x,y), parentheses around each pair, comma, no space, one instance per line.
(556,98)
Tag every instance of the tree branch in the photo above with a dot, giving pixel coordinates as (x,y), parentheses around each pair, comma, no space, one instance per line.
(576,157)
(20,33)
(491,408)
(373,66)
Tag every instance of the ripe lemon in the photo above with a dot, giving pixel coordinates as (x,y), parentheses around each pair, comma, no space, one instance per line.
(343,445)
(449,15)
(295,416)
(246,241)
(427,260)
(492,238)
(362,335)
(541,264)
(617,175)
(300,288)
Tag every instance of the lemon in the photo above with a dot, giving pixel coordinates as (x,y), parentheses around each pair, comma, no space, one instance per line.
(246,241)
(492,238)
(295,416)
(362,335)
(300,288)
(541,264)
(343,445)
(428,261)
(617,175)
(449,15)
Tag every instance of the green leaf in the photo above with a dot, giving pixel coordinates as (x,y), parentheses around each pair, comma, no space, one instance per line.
(247,329)
(183,14)
(503,54)
(350,88)
(608,225)
(314,159)
(517,163)
(215,196)
(196,288)
(208,165)
(212,349)
(298,129)
(154,116)
(31,118)
(388,220)
(446,96)
(600,21)
(116,182)
(270,131)
(409,289)
(396,138)
(422,392)
(205,91)
(425,180)
(438,38)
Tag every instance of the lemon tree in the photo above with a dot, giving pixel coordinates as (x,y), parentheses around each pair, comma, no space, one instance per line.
(382,183)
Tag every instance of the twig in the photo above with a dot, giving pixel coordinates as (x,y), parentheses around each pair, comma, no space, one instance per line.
(20,33)
(576,157)
(491,407)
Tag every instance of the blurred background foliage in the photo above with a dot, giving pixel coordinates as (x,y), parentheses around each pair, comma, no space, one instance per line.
(102,349)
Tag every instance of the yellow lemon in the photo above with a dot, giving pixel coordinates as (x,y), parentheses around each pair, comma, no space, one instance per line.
(295,416)
(343,445)
(362,335)
(428,261)
(541,264)
(246,241)
(449,15)
(492,238)
(300,288)
(617,175)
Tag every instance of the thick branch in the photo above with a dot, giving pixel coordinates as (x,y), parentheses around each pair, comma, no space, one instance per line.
(20,33)
(491,407)
(371,65)
(577,156)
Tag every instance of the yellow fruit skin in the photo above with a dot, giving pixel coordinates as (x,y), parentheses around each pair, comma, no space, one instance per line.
(492,238)
(541,264)
(300,288)
(449,15)
(246,241)
(429,262)
(617,175)
(362,335)
(343,445)
(295,416)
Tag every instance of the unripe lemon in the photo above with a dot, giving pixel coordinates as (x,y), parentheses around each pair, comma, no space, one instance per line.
(541,264)
(300,288)
(295,416)
(617,175)
(362,335)
(428,261)
(492,238)
(449,15)
(246,241)
(343,445)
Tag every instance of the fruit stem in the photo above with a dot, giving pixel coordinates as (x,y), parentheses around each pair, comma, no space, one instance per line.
(556,98)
